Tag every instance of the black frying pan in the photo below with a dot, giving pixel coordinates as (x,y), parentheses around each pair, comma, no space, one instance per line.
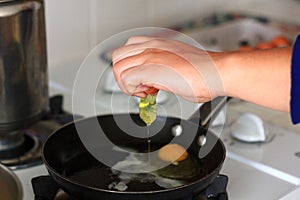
(79,174)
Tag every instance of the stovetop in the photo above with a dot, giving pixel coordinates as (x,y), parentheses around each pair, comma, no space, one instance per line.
(255,170)
(35,135)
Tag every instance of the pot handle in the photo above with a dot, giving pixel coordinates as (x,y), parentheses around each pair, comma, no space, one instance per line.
(208,111)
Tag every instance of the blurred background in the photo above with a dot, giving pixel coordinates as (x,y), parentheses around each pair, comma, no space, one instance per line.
(74,27)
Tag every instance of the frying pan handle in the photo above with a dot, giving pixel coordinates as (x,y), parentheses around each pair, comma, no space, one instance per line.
(208,111)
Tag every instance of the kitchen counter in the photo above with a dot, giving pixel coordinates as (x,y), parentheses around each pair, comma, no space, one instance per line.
(265,170)
(277,118)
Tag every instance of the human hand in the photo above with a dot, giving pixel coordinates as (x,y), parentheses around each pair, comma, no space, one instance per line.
(169,65)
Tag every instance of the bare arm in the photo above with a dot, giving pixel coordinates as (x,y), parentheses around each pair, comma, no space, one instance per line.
(261,77)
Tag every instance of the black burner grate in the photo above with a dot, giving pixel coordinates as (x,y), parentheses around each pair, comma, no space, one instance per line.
(45,188)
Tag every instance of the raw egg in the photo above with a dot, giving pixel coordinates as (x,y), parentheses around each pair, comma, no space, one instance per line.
(172,153)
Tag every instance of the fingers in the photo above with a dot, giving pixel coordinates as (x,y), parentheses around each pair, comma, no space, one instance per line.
(165,64)
(157,72)
(125,64)
(126,51)
(147,56)
(139,79)
(138,39)
(137,45)
(133,46)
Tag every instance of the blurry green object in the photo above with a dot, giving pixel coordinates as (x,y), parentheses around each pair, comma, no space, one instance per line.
(148,108)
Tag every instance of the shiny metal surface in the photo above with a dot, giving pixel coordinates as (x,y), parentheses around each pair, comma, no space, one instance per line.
(29,158)
(176,130)
(11,140)
(3,1)
(10,186)
(23,64)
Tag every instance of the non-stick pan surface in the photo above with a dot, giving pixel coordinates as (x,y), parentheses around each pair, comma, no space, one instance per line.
(65,155)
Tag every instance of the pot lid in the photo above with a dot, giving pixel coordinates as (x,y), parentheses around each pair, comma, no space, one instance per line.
(10,186)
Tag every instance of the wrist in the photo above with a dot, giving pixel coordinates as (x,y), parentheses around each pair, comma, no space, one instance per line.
(225,63)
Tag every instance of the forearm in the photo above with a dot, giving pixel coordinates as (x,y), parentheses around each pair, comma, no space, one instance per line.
(261,77)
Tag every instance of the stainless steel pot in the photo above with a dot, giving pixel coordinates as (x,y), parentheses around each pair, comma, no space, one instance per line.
(23,64)
(10,186)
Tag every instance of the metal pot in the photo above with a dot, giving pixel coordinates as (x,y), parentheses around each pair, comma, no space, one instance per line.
(10,186)
(23,64)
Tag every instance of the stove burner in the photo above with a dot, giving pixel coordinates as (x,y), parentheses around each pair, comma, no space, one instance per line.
(27,154)
(22,149)
(45,188)
(11,144)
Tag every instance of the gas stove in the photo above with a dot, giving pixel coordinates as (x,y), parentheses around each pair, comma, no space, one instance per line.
(254,170)
(26,144)
(263,170)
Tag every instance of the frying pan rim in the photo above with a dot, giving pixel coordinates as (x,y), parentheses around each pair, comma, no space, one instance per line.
(65,179)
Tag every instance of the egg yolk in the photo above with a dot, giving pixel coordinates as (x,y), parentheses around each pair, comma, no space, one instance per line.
(172,153)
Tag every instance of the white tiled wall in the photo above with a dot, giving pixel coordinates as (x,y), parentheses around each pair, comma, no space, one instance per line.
(76,26)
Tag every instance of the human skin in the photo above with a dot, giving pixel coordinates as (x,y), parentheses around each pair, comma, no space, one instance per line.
(257,76)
